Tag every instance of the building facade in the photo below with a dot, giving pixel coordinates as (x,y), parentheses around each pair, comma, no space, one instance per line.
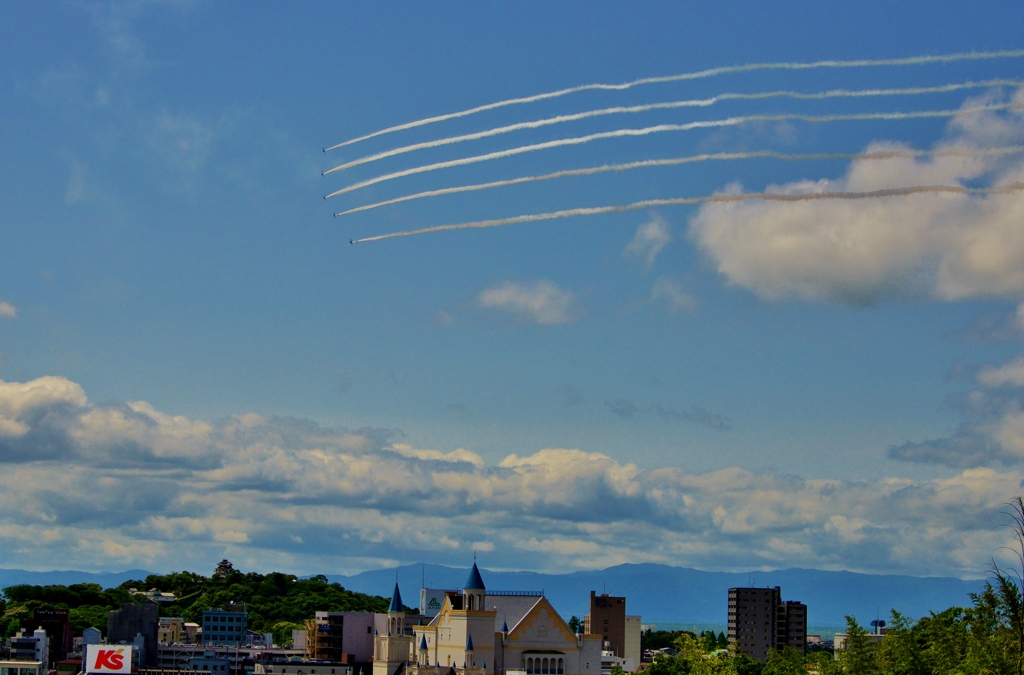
(759,621)
(225,626)
(607,618)
(481,632)
(133,619)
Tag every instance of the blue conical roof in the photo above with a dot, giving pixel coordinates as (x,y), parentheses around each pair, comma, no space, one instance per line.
(474,581)
(396,600)
(423,641)
(504,627)
(469,642)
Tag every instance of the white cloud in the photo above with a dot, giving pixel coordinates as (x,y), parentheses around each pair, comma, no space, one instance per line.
(673,295)
(1011,373)
(858,252)
(540,302)
(649,240)
(8,311)
(138,485)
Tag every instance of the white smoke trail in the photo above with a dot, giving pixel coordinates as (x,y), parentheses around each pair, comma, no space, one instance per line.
(694,103)
(718,156)
(704,124)
(711,72)
(746,197)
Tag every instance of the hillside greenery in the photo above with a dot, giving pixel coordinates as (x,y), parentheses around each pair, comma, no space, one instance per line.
(276,602)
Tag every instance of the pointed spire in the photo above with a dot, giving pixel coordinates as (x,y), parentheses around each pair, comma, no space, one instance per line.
(423,642)
(469,642)
(396,600)
(475,581)
(504,627)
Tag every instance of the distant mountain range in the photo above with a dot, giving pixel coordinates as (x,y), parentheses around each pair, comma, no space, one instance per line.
(659,593)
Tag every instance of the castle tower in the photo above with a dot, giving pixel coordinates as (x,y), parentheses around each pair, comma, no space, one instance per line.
(474,590)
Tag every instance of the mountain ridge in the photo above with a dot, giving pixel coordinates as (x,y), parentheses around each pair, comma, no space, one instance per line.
(657,592)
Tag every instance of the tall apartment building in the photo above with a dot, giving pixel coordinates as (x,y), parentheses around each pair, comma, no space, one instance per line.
(57,624)
(759,621)
(608,619)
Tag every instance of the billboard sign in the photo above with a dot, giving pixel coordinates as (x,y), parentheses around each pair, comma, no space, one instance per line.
(108,659)
(431,600)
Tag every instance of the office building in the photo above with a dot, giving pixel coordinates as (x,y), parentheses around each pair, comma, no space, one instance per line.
(225,626)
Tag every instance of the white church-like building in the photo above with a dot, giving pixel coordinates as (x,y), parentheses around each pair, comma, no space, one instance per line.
(481,633)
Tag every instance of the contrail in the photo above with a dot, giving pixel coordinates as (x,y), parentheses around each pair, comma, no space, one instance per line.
(719,198)
(693,103)
(701,74)
(718,156)
(731,121)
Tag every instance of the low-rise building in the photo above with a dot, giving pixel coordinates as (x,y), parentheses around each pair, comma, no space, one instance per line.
(21,668)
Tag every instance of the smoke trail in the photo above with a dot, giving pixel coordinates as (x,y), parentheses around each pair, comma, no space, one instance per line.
(701,74)
(704,124)
(718,156)
(694,103)
(719,198)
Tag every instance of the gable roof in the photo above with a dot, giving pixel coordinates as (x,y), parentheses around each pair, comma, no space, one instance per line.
(542,603)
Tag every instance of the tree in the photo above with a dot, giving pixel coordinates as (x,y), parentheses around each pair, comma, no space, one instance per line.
(574,624)
(859,657)
(1008,581)
(787,662)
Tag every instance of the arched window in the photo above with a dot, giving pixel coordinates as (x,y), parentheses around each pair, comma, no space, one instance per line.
(544,667)
(529,666)
(561,666)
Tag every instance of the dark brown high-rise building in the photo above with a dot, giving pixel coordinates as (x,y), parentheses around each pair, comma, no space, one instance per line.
(58,630)
(607,618)
(759,621)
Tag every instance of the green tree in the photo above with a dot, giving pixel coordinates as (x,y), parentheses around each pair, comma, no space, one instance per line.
(859,657)
(282,631)
(787,662)
(574,623)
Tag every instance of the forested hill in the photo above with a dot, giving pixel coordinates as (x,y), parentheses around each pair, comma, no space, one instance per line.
(276,602)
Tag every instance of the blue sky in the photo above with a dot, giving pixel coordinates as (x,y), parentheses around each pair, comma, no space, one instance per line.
(818,384)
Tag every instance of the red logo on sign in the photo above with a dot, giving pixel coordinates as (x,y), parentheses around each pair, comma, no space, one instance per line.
(109,659)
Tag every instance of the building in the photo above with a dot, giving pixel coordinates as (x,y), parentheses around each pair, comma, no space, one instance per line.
(839,640)
(31,647)
(791,626)
(759,621)
(21,668)
(132,620)
(343,637)
(92,636)
(223,569)
(58,631)
(210,662)
(632,644)
(225,626)
(170,631)
(607,618)
(282,667)
(481,632)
